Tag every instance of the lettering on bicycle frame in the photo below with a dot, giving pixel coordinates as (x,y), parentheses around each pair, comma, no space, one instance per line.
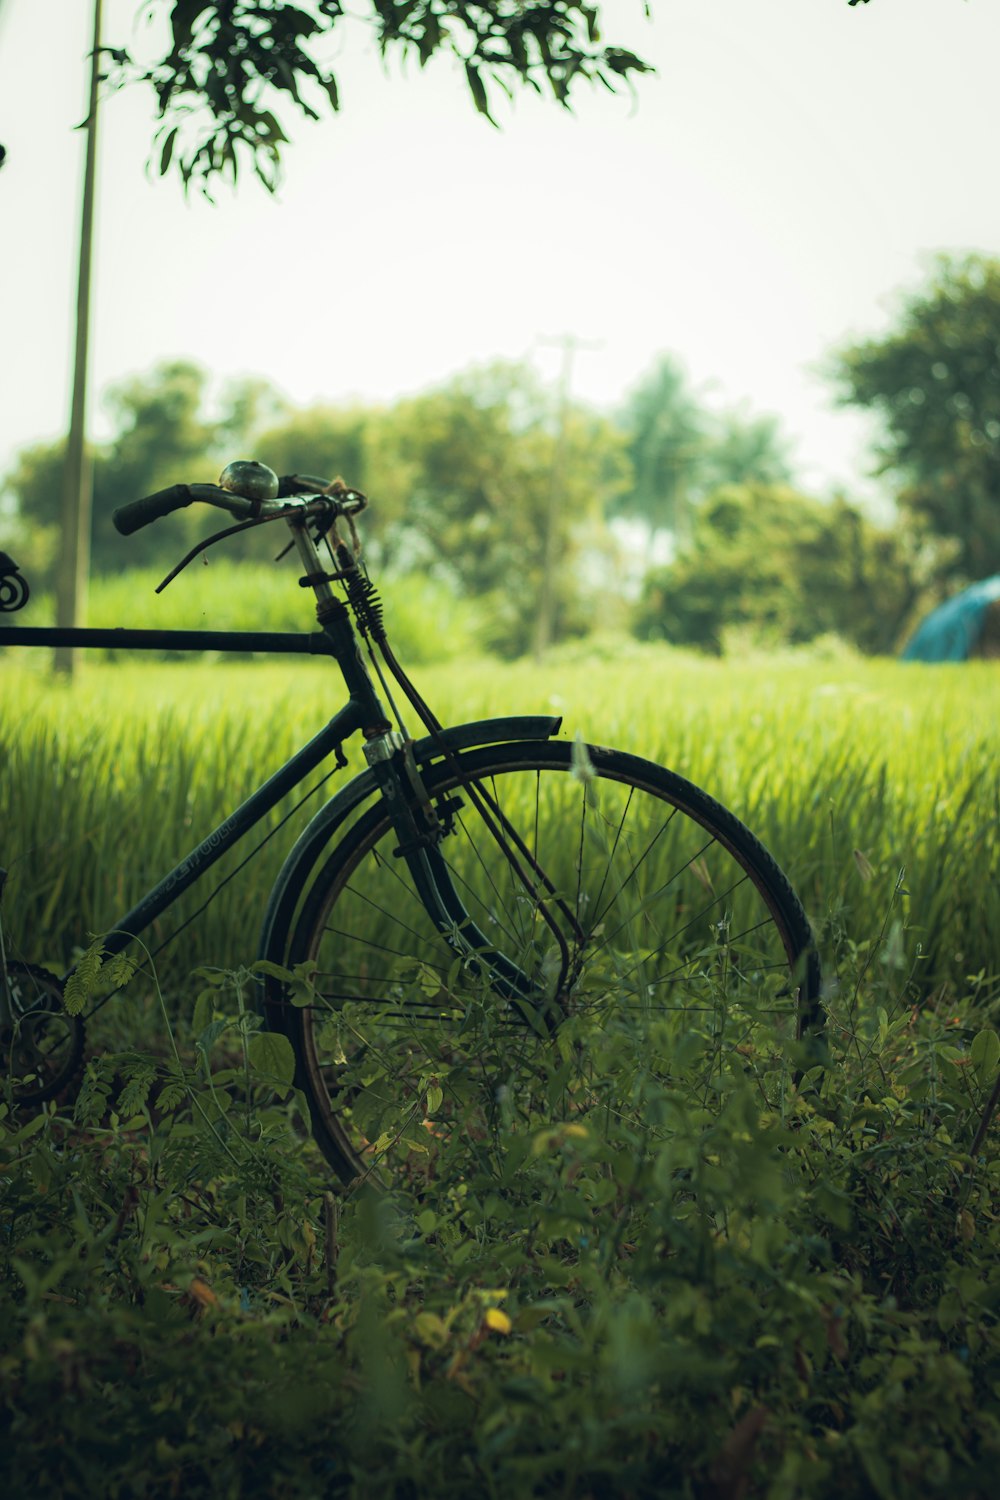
(207,847)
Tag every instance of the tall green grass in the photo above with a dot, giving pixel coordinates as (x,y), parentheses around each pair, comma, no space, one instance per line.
(850,771)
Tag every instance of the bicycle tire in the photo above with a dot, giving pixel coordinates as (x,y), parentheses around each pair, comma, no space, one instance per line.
(44,1042)
(697,955)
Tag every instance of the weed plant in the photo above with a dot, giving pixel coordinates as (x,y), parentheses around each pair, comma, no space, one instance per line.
(703,1295)
(716,1296)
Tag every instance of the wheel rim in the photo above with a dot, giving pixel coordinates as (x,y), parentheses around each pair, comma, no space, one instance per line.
(42,1045)
(691,966)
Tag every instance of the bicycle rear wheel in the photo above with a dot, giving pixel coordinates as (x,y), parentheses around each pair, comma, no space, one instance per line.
(666,943)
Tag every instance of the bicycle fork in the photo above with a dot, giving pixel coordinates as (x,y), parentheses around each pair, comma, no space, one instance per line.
(423,830)
(420,827)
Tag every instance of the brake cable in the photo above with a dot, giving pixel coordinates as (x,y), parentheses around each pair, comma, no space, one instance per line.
(334,511)
(210,541)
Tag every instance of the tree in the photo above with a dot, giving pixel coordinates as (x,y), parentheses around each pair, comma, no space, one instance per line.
(681,450)
(232,63)
(248,405)
(162,435)
(745,449)
(460,480)
(666,442)
(480,453)
(361,445)
(787,569)
(935,382)
(31,510)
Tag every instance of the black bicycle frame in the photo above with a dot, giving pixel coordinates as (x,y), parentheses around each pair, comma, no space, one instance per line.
(416,824)
(232,829)
(363,713)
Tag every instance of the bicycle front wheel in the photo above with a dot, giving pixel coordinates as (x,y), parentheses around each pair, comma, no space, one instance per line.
(653,936)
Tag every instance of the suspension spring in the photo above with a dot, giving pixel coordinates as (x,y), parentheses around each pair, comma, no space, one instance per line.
(363,597)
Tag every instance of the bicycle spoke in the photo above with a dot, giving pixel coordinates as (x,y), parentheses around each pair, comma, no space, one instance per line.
(673,953)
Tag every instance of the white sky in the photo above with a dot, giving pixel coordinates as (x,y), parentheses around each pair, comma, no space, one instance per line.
(788,170)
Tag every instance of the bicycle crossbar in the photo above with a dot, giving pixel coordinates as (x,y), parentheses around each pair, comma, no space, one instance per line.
(288,643)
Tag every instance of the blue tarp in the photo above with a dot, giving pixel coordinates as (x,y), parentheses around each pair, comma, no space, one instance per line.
(951,632)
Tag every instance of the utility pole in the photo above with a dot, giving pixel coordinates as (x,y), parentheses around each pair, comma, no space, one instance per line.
(548,603)
(74,553)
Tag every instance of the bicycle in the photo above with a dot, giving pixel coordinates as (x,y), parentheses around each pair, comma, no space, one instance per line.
(489,927)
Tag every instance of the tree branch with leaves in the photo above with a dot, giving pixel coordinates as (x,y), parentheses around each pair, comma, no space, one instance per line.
(933,380)
(233,66)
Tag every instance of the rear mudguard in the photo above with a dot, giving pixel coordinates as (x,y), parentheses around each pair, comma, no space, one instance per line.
(320,833)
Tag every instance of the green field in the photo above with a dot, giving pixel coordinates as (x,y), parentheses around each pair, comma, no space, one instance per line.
(705,1294)
(853,772)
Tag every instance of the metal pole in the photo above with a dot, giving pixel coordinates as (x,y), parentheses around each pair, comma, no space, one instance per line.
(74,556)
(547,612)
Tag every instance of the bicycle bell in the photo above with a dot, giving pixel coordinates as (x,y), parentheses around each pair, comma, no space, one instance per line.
(250,479)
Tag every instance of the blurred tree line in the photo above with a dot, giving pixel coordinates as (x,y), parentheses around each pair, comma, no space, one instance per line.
(463,479)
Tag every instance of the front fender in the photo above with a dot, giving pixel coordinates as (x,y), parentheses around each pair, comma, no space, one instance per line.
(321,831)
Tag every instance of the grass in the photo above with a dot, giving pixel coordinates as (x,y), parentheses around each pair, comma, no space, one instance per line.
(851,772)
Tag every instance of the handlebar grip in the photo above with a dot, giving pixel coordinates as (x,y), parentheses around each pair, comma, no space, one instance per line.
(139,513)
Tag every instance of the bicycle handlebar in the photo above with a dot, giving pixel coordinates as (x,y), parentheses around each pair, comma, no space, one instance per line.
(135,514)
(138,513)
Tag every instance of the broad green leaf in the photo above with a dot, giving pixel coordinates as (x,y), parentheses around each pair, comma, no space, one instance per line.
(271,1055)
(985,1055)
(208,1037)
(27,1131)
(204,1009)
(301,989)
